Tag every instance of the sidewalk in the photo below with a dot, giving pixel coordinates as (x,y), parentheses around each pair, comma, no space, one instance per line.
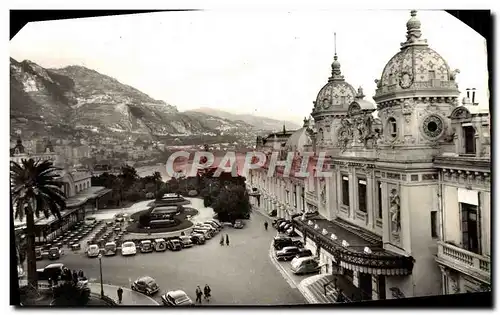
(129,297)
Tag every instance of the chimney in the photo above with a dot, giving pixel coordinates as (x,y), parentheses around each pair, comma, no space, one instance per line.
(468,93)
(474,96)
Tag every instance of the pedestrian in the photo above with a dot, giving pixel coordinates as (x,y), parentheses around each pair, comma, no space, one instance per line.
(265,225)
(119,292)
(222,240)
(206,291)
(227,239)
(75,276)
(80,273)
(198,294)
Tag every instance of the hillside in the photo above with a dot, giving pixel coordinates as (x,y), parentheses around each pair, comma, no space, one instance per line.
(59,101)
(262,123)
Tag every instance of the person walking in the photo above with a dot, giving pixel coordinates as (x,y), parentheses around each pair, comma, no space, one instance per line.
(227,239)
(222,240)
(198,294)
(119,292)
(206,291)
(265,225)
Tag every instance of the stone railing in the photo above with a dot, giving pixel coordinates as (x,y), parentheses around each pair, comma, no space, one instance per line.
(464,258)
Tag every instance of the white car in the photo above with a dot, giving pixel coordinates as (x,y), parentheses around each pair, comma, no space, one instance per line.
(176,298)
(93,250)
(128,248)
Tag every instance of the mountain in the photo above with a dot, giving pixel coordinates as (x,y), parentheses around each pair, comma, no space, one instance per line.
(48,101)
(262,123)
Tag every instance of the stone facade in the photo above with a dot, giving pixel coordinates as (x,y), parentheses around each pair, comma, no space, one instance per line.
(408,176)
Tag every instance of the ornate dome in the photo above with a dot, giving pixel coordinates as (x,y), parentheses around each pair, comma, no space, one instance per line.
(336,95)
(415,68)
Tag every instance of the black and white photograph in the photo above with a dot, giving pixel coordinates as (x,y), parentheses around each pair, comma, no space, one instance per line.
(203,158)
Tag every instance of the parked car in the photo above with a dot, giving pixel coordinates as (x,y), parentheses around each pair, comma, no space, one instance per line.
(145,285)
(304,265)
(291,232)
(283,241)
(207,226)
(90,220)
(54,253)
(238,224)
(174,244)
(93,251)
(197,239)
(128,248)
(146,246)
(176,298)
(38,253)
(287,253)
(277,222)
(214,225)
(110,249)
(160,245)
(304,252)
(52,271)
(119,217)
(273,213)
(206,233)
(186,241)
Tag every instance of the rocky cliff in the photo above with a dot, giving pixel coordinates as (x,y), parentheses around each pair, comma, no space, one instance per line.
(51,101)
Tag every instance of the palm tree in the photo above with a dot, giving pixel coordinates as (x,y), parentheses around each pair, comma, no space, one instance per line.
(35,189)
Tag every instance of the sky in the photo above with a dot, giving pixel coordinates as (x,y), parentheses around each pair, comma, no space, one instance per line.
(267,63)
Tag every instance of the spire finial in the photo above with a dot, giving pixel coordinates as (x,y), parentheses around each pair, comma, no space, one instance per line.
(284,129)
(413,32)
(335,42)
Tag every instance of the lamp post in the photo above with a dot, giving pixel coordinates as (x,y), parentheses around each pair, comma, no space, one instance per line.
(100,270)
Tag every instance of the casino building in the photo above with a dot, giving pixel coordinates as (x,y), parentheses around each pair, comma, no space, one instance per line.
(406,210)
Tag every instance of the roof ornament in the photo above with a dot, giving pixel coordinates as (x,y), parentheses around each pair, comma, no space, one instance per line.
(336,73)
(284,129)
(360,94)
(413,32)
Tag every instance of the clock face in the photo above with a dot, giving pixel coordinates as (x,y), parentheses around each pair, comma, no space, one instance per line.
(433,126)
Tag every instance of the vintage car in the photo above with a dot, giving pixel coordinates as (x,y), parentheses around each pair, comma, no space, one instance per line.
(160,245)
(305,265)
(38,253)
(90,220)
(145,285)
(176,298)
(119,217)
(238,224)
(197,239)
(186,241)
(174,244)
(205,232)
(146,246)
(283,241)
(128,248)
(54,253)
(52,271)
(287,253)
(110,249)
(93,250)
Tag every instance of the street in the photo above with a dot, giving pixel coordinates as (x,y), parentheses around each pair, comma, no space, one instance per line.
(239,274)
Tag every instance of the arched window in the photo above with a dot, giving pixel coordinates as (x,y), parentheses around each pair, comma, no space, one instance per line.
(76,188)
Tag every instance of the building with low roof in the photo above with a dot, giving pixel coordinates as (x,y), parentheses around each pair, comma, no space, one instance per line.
(405,209)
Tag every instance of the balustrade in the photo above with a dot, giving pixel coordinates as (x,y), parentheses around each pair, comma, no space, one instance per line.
(465,258)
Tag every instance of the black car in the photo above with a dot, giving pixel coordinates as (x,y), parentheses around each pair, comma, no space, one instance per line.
(174,244)
(303,252)
(279,242)
(277,222)
(291,232)
(273,213)
(146,285)
(287,253)
(52,271)
(197,239)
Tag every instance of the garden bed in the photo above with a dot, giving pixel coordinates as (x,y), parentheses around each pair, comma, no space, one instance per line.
(183,222)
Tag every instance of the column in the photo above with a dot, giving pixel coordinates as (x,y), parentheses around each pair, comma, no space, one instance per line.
(375,295)
(355,278)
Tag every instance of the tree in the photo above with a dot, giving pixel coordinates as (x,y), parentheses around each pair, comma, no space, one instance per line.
(232,203)
(35,189)
(70,293)
(144,219)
